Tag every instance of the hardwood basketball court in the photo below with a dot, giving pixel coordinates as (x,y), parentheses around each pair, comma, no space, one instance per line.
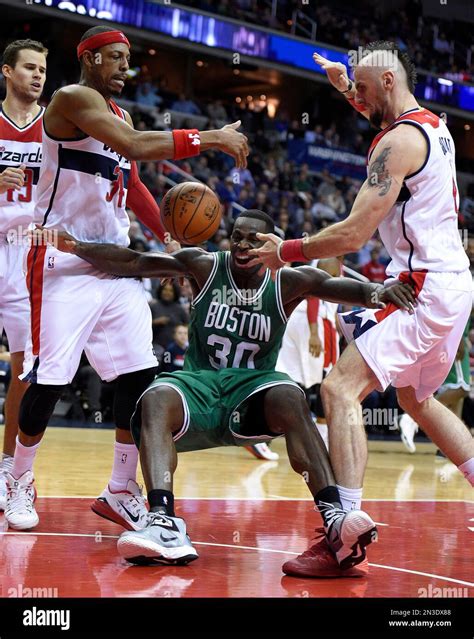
(246,518)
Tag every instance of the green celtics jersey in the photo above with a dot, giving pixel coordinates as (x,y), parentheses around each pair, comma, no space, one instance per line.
(232,327)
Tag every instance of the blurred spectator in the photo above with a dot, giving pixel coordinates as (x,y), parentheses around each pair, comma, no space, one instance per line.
(284,224)
(173,357)
(185,105)
(240,177)
(201,170)
(303,181)
(374,270)
(146,94)
(336,202)
(166,312)
(216,110)
(322,211)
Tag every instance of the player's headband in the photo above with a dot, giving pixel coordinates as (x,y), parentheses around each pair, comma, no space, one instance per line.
(100,40)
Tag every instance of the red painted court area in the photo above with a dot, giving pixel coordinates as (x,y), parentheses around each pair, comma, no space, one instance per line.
(242,546)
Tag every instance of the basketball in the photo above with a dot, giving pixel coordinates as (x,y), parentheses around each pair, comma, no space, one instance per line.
(191,212)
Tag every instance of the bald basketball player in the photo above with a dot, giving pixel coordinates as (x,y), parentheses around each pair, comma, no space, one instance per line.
(411,197)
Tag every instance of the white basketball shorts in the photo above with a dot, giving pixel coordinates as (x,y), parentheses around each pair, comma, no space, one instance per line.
(414,350)
(14,301)
(294,357)
(74,308)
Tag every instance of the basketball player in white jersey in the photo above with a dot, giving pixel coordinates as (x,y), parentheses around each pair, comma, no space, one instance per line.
(411,196)
(89,146)
(24,69)
(310,346)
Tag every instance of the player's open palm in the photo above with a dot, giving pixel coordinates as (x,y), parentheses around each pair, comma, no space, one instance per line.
(335,71)
(234,143)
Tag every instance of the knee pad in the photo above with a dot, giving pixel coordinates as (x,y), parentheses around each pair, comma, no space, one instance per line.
(37,406)
(129,388)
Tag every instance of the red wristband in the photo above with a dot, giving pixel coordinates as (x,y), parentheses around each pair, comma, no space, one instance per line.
(187,142)
(292,251)
(357,107)
(312,310)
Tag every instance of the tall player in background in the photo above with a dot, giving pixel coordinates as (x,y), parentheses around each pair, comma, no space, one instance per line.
(24,69)
(310,345)
(87,177)
(411,196)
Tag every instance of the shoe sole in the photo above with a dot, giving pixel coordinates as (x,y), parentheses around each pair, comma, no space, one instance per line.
(105,511)
(353,572)
(145,553)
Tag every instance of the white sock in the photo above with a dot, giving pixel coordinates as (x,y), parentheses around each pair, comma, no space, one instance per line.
(7,462)
(323,431)
(467,470)
(23,459)
(125,466)
(351,498)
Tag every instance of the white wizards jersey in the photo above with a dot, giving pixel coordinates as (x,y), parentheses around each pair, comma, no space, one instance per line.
(19,145)
(421,230)
(82,189)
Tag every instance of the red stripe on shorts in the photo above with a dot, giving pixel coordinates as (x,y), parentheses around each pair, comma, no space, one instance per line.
(330,343)
(416,279)
(34,280)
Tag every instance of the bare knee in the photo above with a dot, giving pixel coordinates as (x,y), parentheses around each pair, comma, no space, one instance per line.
(285,407)
(161,407)
(332,388)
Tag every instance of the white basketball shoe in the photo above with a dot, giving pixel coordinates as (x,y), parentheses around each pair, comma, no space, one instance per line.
(126,508)
(20,510)
(408,429)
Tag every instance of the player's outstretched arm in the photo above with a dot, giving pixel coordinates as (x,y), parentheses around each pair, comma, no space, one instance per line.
(306,281)
(399,153)
(87,110)
(123,262)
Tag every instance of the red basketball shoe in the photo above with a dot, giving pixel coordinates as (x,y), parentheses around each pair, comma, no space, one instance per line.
(319,561)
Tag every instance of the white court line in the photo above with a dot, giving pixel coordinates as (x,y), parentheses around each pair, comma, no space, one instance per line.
(234,546)
(271,498)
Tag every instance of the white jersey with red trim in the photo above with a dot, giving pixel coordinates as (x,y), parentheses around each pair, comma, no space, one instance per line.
(82,189)
(421,230)
(20,145)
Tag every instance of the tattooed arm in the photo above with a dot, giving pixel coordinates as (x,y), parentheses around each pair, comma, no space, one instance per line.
(400,152)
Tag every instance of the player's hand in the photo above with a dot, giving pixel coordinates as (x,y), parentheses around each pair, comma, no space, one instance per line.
(172,246)
(335,71)
(61,240)
(402,295)
(234,144)
(315,345)
(12,178)
(267,255)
